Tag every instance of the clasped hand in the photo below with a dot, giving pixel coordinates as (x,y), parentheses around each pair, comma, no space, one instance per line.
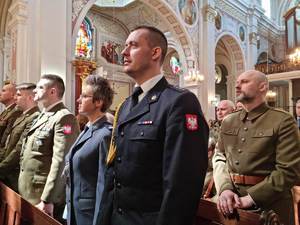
(228,201)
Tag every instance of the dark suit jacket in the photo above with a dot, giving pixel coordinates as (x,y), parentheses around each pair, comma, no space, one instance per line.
(158,173)
(86,162)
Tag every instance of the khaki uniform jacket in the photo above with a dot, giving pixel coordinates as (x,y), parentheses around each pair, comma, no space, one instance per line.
(263,142)
(9,164)
(42,157)
(7,119)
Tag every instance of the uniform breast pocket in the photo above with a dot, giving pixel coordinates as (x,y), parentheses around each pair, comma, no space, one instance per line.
(262,139)
(230,138)
(144,144)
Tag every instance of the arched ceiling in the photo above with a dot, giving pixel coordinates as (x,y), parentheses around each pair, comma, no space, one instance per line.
(115,3)
(4,5)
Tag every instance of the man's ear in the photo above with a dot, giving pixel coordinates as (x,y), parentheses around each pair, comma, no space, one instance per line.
(263,86)
(156,53)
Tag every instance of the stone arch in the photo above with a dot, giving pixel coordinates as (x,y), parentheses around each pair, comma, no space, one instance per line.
(234,59)
(81,7)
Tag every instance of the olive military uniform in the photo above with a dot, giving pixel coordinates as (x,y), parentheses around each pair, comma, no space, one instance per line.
(262,147)
(7,119)
(9,164)
(42,156)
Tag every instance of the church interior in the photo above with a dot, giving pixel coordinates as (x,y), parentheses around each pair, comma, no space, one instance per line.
(211,42)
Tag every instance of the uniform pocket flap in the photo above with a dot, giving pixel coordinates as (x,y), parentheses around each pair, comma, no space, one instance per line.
(232,131)
(39,179)
(263,133)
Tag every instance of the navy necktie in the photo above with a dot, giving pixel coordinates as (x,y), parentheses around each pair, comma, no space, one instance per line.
(135,96)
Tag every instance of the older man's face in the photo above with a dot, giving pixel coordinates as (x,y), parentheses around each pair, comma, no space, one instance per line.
(223,110)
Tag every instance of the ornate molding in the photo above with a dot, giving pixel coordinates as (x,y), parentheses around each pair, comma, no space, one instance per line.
(77,6)
(18,12)
(210,14)
(232,11)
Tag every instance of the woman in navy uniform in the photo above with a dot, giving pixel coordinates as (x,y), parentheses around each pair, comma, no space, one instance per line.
(86,160)
(157,168)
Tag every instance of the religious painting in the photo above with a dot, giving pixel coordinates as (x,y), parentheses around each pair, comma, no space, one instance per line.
(218,21)
(242,33)
(111,51)
(188,11)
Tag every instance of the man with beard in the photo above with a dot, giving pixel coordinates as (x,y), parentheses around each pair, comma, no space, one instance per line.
(261,145)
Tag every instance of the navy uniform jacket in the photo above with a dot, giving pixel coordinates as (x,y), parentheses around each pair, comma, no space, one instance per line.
(86,161)
(161,160)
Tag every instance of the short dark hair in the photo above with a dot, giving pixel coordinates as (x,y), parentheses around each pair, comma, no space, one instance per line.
(55,81)
(26,86)
(156,38)
(101,90)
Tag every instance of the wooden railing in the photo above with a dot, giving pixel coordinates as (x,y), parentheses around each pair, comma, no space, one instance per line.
(14,210)
(208,214)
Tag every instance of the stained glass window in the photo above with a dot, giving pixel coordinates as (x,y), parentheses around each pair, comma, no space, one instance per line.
(175,65)
(84,40)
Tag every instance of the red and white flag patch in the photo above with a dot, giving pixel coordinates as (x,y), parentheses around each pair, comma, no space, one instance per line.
(67,129)
(191,121)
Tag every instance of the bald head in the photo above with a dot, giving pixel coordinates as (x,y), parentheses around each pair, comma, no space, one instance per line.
(7,94)
(224,108)
(251,87)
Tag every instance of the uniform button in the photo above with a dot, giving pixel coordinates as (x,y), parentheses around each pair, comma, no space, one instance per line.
(236,162)
(243,139)
(119,159)
(245,128)
(118,185)
(142,133)
(239,151)
(122,133)
(120,210)
(261,134)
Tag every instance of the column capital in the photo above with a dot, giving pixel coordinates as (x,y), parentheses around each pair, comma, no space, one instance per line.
(209,13)
(18,12)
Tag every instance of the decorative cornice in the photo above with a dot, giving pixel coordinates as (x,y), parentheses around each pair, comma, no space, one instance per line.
(231,10)
(209,13)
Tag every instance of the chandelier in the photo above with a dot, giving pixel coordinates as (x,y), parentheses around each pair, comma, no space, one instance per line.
(194,76)
(295,57)
(271,94)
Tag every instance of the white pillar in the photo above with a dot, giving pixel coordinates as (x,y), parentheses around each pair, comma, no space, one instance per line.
(208,60)
(252,44)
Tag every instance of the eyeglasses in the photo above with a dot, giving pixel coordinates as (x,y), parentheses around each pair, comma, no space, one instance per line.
(85,96)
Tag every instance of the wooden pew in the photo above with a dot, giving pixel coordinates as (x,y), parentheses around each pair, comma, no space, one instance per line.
(14,210)
(208,214)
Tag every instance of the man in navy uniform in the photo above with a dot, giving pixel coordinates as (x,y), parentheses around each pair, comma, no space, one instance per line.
(159,161)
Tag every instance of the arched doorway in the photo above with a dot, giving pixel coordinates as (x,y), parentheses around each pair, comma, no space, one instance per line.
(107,22)
(230,62)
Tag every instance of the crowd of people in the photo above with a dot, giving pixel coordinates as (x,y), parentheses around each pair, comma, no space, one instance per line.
(153,164)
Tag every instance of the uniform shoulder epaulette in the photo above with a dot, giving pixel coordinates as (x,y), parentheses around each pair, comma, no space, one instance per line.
(280,110)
